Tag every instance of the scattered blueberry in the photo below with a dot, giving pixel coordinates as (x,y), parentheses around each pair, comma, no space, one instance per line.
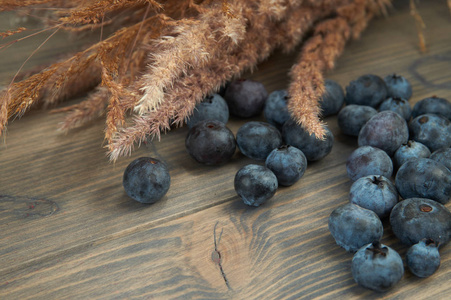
(397,105)
(423,259)
(257,139)
(442,156)
(353,226)
(146,179)
(424,178)
(333,98)
(386,130)
(415,219)
(255,184)
(410,150)
(434,131)
(376,193)
(352,118)
(367,90)
(211,108)
(377,267)
(312,147)
(276,110)
(432,105)
(368,160)
(398,86)
(288,163)
(210,142)
(246,98)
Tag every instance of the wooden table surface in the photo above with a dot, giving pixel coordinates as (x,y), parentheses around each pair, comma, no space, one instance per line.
(68,230)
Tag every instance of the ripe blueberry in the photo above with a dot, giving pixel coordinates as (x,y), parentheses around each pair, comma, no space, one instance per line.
(415,219)
(288,164)
(146,179)
(352,118)
(377,267)
(257,139)
(353,226)
(255,184)
(210,142)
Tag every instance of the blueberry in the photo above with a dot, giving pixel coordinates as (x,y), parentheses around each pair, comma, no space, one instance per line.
(255,184)
(376,193)
(211,108)
(352,118)
(245,98)
(276,110)
(386,130)
(424,178)
(410,150)
(415,219)
(353,226)
(288,163)
(398,105)
(398,86)
(146,179)
(432,130)
(423,259)
(210,142)
(257,139)
(367,90)
(377,267)
(333,98)
(312,147)
(432,105)
(368,160)
(442,156)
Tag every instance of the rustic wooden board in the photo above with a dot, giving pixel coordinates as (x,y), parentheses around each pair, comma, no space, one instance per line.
(69,231)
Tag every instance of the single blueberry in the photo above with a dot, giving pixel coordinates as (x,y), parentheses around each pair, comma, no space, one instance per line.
(398,105)
(257,139)
(146,179)
(423,258)
(276,110)
(255,184)
(377,267)
(312,147)
(332,99)
(398,86)
(386,130)
(434,131)
(415,219)
(376,193)
(424,178)
(353,226)
(288,164)
(352,118)
(442,156)
(245,98)
(210,142)
(410,150)
(211,108)
(368,160)
(367,90)
(432,105)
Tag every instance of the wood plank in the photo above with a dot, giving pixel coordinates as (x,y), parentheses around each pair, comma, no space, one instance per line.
(69,231)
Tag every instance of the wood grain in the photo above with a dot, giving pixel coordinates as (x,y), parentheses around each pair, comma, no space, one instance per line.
(68,231)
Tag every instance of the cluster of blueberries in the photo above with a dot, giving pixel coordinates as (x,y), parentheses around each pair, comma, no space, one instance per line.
(410,144)
(284,146)
(413,146)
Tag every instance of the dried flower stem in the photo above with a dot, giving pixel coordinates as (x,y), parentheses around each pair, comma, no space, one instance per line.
(317,55)
(79,114)
(260,41)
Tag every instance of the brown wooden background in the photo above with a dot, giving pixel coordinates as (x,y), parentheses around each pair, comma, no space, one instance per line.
(68,231)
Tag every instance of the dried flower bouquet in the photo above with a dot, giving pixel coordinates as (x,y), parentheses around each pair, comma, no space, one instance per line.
(165,56)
